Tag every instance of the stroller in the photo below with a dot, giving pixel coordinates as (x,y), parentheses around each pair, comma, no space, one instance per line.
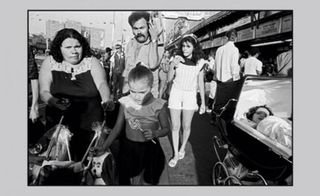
(251,158)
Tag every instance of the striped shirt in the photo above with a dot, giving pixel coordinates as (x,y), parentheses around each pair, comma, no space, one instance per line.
(186,77)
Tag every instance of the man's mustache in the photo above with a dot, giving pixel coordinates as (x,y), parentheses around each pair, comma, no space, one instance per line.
(139,35)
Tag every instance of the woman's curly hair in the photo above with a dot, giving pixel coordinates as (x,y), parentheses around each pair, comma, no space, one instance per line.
(63,34)
(253,110)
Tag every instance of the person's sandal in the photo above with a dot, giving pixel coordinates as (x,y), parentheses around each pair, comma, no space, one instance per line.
(173,162)
(181,155)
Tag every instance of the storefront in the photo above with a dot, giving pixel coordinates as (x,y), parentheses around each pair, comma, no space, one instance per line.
(270,31)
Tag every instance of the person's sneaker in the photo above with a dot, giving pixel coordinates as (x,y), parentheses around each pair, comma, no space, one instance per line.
(208,110)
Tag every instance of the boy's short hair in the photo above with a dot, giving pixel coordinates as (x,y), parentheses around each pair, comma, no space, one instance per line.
(231,34)
(254,51)
(140,71)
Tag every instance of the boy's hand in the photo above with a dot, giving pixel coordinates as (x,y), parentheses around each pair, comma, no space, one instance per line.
(61,104)
(148,134)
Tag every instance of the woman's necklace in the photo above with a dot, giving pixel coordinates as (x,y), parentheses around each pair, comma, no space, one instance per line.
(73,75)
(72,71)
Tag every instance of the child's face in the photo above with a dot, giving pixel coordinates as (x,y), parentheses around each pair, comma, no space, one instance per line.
(139,90)
(187,49)
(260,114)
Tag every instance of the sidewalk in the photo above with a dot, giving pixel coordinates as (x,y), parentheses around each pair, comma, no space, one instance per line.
(185,171)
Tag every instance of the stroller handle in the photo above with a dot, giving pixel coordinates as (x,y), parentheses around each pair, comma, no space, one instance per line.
(224,108)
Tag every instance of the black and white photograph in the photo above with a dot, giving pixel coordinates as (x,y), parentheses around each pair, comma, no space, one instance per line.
(160,97)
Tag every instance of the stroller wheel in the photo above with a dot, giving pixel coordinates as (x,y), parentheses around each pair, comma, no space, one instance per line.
(219,174)
(232,180)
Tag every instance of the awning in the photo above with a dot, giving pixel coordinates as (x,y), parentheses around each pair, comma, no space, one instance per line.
(202,24)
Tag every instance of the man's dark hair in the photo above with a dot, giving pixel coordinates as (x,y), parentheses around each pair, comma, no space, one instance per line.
(63,34)
(108,49)
(135,16)
(231,34)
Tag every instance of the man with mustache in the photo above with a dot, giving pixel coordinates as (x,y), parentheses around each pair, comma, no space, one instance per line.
(143,48)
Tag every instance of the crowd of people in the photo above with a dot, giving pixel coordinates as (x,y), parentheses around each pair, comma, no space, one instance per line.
(153,87)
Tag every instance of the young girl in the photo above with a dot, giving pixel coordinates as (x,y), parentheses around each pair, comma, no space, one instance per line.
(142,159)
(188,75)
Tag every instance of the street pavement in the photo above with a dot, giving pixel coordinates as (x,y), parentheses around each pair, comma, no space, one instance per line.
(196,167)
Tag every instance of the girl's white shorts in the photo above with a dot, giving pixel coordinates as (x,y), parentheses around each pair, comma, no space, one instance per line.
(182,100)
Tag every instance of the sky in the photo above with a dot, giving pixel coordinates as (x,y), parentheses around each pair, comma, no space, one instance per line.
(98,19)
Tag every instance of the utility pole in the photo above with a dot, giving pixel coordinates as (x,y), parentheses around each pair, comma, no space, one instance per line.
(113,28)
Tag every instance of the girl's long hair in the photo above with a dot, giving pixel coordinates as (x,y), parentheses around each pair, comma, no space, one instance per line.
(197,52)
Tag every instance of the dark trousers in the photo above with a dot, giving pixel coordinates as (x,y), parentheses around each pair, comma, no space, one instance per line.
(117,80)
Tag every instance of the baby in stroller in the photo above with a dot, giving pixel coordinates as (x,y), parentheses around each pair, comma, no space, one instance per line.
(261,118)
(257,114)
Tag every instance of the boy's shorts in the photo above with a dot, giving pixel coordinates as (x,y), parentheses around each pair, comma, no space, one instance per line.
(182,100)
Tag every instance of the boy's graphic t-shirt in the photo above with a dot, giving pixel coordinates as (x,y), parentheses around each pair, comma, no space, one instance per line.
(141,117)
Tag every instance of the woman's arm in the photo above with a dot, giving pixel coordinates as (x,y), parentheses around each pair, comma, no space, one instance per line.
(45,80)
(116,130)
(171,71)
(201,88)
(34,113)
(99,78)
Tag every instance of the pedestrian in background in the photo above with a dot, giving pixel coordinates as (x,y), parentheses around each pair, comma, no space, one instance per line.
(227,57)
(187,71)
(35,126)
(284,63)
(252,65)
(106,64)
(117,66)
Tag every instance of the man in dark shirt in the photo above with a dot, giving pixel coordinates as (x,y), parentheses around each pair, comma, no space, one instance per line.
(118,65)
(106,64)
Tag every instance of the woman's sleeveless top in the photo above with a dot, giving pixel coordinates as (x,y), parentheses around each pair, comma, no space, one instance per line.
(78,86)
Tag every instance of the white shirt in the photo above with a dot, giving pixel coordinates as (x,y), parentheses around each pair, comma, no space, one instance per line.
(252,65)
(227,66)
(211,63)
(284,62)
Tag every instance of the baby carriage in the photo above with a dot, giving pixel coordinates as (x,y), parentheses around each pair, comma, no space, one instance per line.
(252,158)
